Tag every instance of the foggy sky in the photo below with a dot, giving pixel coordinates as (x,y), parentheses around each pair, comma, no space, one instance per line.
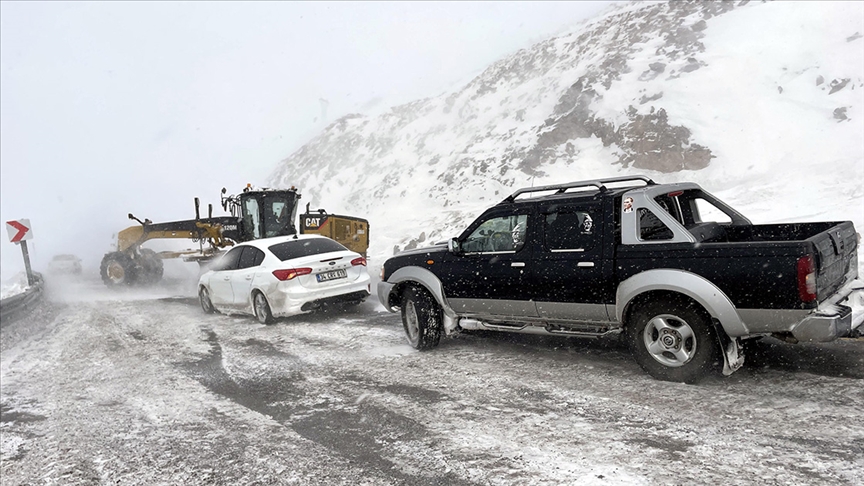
(111,108)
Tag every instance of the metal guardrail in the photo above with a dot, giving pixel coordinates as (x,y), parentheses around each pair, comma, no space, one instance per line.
(16,306)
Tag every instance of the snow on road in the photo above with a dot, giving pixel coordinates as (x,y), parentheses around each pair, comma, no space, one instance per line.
(143,388)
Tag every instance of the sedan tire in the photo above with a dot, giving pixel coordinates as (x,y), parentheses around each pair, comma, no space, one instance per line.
(206,303)
(262,308)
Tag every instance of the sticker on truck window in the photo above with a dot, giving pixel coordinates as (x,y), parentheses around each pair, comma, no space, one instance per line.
(628,204)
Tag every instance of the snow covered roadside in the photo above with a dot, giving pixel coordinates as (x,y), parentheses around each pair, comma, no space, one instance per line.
(14,286)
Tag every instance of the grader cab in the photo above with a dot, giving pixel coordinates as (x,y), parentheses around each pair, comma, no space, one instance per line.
(254,214)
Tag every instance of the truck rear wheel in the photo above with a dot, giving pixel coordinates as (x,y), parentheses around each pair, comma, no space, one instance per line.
(672,341)
(421,318)
(117,269)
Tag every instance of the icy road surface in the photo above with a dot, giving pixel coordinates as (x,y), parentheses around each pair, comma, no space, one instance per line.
(104,387)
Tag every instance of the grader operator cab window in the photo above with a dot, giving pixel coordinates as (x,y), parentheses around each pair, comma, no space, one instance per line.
(252,218)
(277,217)
(268,214)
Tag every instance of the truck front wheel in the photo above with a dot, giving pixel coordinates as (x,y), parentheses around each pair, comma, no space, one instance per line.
(421,318)
(672,341)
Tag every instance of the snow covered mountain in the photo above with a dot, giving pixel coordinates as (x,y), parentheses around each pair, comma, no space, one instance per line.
(760,102)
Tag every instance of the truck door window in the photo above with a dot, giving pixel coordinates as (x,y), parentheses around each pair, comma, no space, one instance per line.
(569,231)
(671,204)
(651,228)
(498,234)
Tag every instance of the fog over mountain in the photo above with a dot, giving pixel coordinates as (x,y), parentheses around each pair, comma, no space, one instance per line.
(760,102)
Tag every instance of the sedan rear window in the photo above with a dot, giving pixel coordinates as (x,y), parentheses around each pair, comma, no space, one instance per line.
(301,248)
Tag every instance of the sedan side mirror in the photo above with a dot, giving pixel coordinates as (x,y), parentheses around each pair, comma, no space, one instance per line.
(453,246)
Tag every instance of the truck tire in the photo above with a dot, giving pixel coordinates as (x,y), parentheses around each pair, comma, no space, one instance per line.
(151,267)
(118,270)
(421,318)
(672,341)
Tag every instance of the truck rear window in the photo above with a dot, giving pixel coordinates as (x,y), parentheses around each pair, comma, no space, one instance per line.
(302,248)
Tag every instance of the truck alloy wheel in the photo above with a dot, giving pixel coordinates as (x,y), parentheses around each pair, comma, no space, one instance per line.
(669,340)
(672,341)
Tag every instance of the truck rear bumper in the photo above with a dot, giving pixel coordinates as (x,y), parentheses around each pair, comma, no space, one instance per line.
(840,316)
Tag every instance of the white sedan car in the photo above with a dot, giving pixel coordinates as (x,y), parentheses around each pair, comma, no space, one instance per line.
(284,276)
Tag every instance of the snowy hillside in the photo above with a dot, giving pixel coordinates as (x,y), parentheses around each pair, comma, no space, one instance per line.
(761,103)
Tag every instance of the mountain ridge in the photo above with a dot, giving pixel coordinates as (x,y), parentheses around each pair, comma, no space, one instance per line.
(626,92)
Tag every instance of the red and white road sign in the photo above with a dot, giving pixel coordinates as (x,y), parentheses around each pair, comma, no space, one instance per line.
(19,230)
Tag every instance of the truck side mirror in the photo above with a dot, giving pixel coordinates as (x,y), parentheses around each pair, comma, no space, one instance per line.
(453,246)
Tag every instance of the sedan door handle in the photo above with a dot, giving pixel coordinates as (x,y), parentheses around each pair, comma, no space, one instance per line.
(248,277)
(517,264)
(585,264)
(226,278)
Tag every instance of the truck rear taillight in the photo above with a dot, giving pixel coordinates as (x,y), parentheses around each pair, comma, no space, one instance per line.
(289,273)
(806,279)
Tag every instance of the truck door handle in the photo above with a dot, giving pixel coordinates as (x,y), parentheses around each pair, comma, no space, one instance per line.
(517,264)
(585,264)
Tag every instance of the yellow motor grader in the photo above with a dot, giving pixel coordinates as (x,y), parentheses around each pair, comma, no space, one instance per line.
(255,214)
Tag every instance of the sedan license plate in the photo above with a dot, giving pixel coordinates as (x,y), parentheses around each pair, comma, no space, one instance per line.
(332,275)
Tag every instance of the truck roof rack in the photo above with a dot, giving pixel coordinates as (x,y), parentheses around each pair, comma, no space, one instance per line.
(561,188)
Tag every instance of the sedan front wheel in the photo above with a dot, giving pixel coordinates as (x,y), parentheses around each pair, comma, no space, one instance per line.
(206,303)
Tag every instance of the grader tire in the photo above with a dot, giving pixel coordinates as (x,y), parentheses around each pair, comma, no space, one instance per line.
(118,270)
(151,267)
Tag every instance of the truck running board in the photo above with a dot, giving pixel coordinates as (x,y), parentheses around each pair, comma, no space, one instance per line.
(592,329)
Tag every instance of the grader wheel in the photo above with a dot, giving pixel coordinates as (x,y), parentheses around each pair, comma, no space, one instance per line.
(151,267)
(118,269)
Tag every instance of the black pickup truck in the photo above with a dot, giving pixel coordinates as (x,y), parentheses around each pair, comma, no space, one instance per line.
(681,275)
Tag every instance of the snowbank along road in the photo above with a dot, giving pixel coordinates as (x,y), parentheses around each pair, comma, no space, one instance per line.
(106,387)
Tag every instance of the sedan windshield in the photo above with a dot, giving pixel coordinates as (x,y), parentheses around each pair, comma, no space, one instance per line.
(300,248)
